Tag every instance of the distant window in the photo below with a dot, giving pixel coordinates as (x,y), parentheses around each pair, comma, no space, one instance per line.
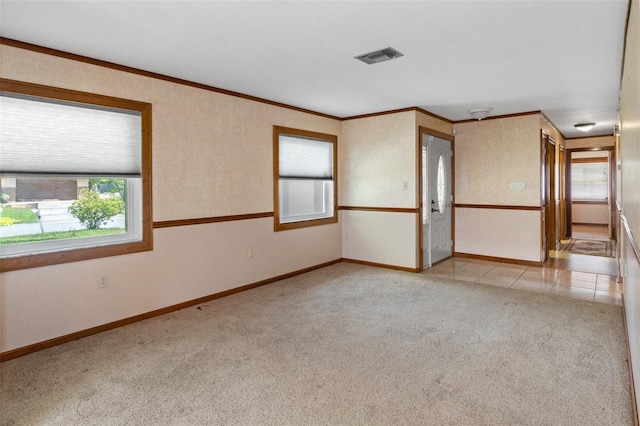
(305,169)
(72,168)
(590,181)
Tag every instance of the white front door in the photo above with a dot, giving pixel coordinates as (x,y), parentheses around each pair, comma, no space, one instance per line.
(437,199)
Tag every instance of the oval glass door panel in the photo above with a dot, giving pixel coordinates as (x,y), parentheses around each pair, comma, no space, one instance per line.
(441,185)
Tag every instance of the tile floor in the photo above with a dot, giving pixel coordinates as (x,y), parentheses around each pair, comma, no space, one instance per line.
(591,286)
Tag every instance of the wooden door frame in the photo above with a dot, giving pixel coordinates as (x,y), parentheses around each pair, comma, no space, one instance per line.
(562,190)
(420,227)
(547,193)
(613,225)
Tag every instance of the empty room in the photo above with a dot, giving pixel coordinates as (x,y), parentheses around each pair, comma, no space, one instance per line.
(319,212)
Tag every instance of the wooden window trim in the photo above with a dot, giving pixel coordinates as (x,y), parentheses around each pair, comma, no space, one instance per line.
(74,255)
(589,160)
(277,226)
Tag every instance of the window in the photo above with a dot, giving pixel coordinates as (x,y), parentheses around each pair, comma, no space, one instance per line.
(304,178)
(589,181)
(75,176)
(441,184)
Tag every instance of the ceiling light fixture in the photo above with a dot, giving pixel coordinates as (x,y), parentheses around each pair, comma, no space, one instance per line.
(379,56)
(584,127)
(479,113)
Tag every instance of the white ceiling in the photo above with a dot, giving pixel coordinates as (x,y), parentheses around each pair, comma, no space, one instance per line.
(561,57)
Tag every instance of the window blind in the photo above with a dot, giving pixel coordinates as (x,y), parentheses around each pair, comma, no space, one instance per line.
(301,158)
(589,181)
(41,136)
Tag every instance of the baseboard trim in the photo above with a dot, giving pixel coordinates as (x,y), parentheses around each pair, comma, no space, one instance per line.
(497,259)
(634,401)
(381,265)
(26,350)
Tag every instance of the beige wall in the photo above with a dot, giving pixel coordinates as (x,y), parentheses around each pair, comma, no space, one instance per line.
(594,142)
(430,122)
(379,160)
(377,157)
(378,170)
(212,156)
(630,183)
(507,234)
(597,214)
(490,155)
(548,127)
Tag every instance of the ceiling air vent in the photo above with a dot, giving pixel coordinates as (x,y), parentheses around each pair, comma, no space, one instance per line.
(379,56)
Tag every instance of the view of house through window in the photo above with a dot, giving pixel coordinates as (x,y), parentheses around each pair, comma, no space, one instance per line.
(71,167)
(42,209)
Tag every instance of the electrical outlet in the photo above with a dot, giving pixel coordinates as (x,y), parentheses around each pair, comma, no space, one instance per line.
(104,281)
(250,252)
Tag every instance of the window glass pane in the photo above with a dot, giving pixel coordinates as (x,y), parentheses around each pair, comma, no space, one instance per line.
(590,181)
(44,214)
(425,187)
(304,199)
(441,186)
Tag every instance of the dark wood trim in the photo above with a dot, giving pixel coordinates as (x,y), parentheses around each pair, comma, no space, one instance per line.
(612,185)
(380,209)
(111,65)
(214,219)
(88,60)
(632,384)
(497,207)
(497,117)
(497,259)
(381,265)
(589,202)
(590,160)
(430,114)
(632,240)
(567,194)
(590,224)
(78,254)
(595,148)
(543,190)
(396,111)
(15,353)
(544,116)
(433,132)
(277,131)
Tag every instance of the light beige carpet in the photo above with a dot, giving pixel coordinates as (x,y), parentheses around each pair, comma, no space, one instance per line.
(347,344)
